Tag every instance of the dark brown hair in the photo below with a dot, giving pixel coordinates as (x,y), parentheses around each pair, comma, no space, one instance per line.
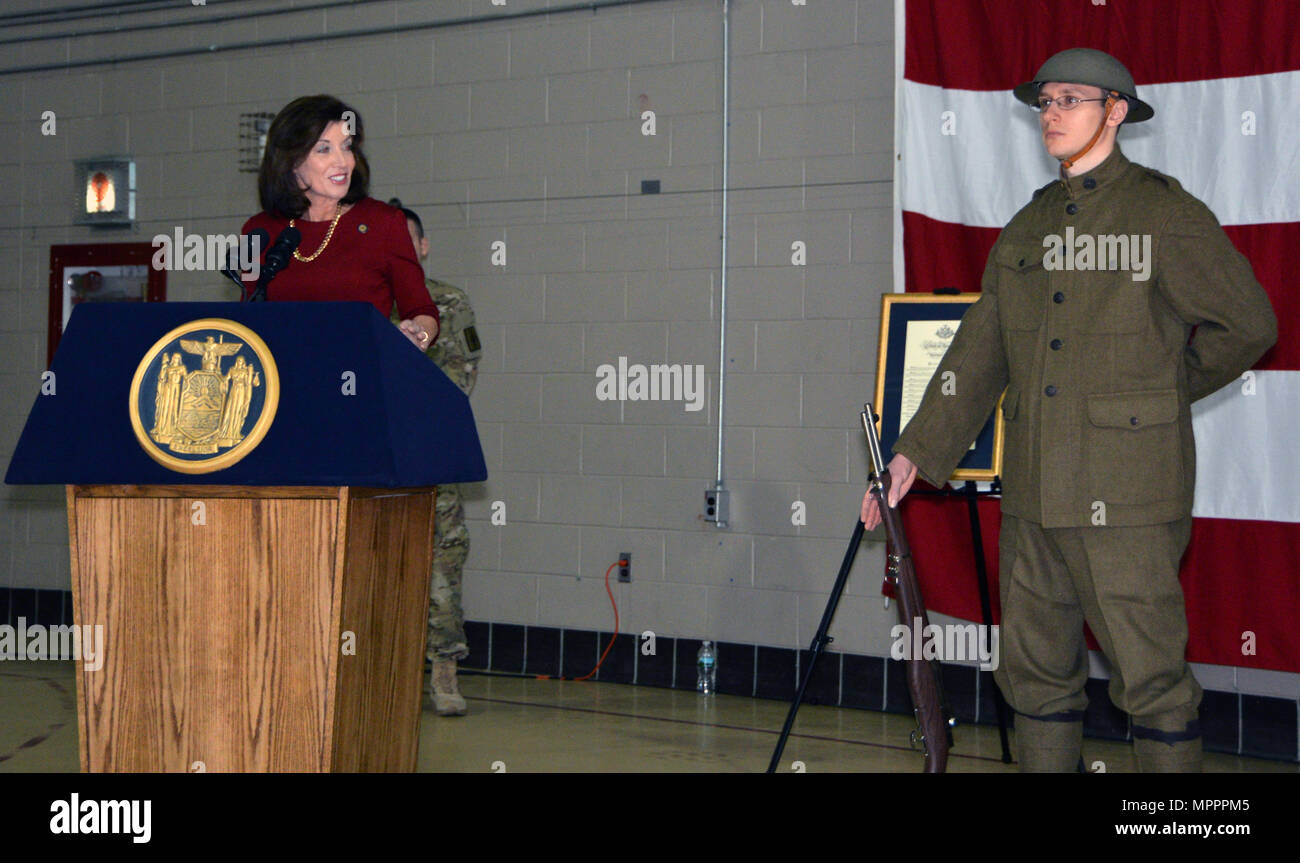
(293,133)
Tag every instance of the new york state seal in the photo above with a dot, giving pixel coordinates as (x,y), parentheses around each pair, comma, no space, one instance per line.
(204,396)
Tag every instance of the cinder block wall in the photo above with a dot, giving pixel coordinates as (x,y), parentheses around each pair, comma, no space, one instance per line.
(528,130)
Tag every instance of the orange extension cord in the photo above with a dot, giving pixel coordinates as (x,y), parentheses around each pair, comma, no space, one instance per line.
(612,638)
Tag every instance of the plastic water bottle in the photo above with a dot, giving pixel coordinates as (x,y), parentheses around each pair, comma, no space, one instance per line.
(706,663)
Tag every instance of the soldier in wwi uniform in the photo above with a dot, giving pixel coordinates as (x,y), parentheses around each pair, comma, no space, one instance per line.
(456,351)
(1101,356)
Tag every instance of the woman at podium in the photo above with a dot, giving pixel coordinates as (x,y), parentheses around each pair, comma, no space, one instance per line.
(315,178)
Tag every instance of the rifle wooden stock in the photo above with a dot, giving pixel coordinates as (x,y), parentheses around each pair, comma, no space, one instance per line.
(923,681)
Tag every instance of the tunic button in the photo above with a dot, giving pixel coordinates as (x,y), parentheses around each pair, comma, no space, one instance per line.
(1022,263)
(1056,344)
(1058,297)
(1071,208)
(1050,391)
(1090,183)
(1132,421)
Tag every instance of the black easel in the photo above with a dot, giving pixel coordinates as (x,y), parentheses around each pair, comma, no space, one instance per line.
(819,642)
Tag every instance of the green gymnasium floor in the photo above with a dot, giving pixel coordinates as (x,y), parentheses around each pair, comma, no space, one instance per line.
(526,725)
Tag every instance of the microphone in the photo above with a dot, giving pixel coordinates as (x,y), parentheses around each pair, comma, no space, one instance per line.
(277,258)
(258,239)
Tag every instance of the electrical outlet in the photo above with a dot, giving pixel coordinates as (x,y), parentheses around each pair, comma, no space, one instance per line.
(717,506)
(625,566)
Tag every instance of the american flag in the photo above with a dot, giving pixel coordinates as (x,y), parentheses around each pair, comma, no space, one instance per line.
(1224,79)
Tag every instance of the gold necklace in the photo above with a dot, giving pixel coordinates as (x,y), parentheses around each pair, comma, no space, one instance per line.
(338,214)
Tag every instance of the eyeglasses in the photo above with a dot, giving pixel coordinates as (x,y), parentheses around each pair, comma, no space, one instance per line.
(1065,103)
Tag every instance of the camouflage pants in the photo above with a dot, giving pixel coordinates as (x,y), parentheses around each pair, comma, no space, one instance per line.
(451,547)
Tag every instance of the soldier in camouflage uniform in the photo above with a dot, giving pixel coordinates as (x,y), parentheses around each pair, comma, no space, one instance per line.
(456,351)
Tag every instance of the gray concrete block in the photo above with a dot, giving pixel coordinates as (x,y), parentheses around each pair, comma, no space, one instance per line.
(538,150)
(697,32)
(763,400)
(542,347)
(618,41)
(557,47)
(685,193)
(640,342)
(694,243)
(621,145)
(622,451)
(507,104)
(588,97)
(578,603)
(596,196)
(201,83)
(864,338)
(826,238)
(831,508)
(682,88)
(544,248)
(585,297)
(858,182)
(873,237)
(155,132)
(765,186)
(571,398)
(690,403)
(697,342)
(627,246)
(510,495)
(840,292)
(763,509)
(470,155)
(501,298)
(806,130)
(430,110)
(506,200)
(502,597)
(829,400)
(803,346)
(801,455)
(404,160)
(539,548)
(672,295)
(508,398)
(841,74)
(470,54)
(873,126)
(693,452)
(767,79)
(709,556)
(601,546)
(541,447)
(581,500)
(667,610)
(787,27)
(670,504)
(90,137)
(748,616)
(876,21)
(78,95)
(765,293)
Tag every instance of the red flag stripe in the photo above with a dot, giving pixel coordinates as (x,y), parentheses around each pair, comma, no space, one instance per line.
(1158,40)
(939,254)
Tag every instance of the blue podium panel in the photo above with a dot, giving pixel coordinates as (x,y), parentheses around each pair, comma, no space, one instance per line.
(336,393)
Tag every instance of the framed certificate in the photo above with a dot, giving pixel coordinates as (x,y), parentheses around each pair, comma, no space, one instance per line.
(915,332)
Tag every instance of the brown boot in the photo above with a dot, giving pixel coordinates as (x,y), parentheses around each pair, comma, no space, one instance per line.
(447,700)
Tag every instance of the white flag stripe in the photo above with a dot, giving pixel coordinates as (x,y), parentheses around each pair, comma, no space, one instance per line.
(988,168)
(1248,450)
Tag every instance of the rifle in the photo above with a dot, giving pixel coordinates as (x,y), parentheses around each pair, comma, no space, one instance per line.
(934,719)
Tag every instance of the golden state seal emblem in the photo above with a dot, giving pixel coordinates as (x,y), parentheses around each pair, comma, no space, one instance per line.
(204,396)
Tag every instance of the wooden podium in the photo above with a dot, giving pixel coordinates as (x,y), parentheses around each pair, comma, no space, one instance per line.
(252,620)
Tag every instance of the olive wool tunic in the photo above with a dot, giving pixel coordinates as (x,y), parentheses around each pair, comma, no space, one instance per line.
(1110,303)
